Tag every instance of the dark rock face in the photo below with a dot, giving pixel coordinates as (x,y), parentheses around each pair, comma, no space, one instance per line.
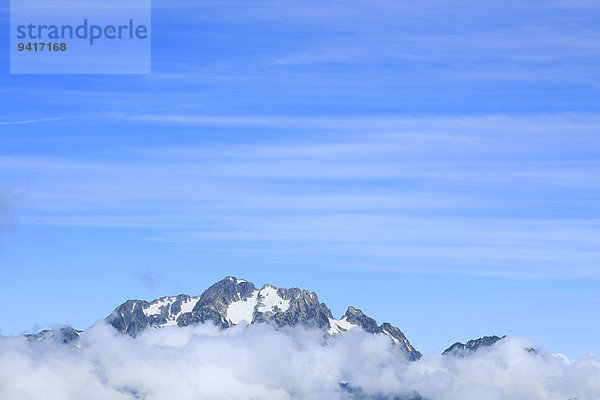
(129,317)
(399,338)
(231,301)
(303,309)
(214,302)
(356,317)
(472,345)
(455,348)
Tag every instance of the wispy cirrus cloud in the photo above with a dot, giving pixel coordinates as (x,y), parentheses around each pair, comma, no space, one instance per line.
(410,191)
(29,121)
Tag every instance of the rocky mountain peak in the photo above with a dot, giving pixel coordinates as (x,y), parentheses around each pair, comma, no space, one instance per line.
(357,317)
(233,301)
(227,291)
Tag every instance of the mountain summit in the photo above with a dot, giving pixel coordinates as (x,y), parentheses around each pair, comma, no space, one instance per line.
(233,301)
(472,345)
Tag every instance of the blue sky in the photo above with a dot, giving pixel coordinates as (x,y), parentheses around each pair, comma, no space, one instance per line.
(434,164)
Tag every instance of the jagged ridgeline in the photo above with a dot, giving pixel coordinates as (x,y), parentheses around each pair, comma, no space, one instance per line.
(472,345)
(236,301)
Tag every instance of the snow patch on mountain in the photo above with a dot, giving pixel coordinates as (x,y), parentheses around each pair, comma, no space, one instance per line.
(165,304)
(242,310)
(339,326)
(155,307)
(269,299)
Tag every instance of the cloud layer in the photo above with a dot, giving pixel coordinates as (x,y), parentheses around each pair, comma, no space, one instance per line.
(257,362)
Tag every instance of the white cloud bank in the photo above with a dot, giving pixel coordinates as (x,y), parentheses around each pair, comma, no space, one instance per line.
(258,362)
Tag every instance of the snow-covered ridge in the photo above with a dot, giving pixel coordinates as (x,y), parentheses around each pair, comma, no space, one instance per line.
(269,299)
(340,326)
(265,300)
(242,310)
(165,304)
(156,306)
